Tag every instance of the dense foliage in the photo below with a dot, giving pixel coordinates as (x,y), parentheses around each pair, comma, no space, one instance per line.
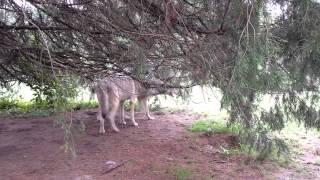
(237,46)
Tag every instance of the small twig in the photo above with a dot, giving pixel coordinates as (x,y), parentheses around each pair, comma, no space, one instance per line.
(219,161)
(114,167)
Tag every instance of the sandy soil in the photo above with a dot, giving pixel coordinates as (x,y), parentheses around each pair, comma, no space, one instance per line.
(31,148)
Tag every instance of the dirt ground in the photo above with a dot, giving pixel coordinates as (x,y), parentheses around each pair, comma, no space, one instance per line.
(31,148)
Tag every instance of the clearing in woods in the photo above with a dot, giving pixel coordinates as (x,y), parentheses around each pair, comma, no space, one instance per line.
(159,149)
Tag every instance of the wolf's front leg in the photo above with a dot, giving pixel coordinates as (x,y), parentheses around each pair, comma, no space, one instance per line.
(114,108)
(132,102)
(101,119)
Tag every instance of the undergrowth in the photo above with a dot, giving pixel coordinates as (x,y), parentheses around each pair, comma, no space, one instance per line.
(245,146)
(18,107)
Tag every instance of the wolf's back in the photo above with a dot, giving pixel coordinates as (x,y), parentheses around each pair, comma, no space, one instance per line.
(121,87)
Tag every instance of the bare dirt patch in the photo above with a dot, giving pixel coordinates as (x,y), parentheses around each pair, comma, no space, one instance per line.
(306,162)
(31,148)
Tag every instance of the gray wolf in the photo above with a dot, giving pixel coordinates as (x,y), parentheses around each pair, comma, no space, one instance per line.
(113,91)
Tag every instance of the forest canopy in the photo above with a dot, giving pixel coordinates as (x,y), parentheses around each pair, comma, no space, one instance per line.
(240,47)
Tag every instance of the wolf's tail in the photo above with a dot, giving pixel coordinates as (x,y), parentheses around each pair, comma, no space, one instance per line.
(103,99)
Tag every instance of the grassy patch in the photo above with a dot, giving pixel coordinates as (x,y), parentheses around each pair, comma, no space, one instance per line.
(183,174)
(17,107)
(84,105)
(218,126)
(13,107)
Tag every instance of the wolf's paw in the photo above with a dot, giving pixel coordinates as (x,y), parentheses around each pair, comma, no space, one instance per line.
(136,124)
(124,122)
(116,130)
(102,131)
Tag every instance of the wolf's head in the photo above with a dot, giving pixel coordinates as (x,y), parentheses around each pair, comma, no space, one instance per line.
(167,91)
(159,87)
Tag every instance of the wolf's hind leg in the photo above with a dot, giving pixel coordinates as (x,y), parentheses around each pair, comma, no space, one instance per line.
(122,118)
(132,102)
(144,106)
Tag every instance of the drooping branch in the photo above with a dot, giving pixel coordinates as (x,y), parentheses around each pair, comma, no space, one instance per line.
(32,28)
(93,38)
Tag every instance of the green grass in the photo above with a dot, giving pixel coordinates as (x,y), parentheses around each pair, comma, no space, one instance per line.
(84,105)
(10,106)
(220,126)
(183,174)
(17,107)
(214,126)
